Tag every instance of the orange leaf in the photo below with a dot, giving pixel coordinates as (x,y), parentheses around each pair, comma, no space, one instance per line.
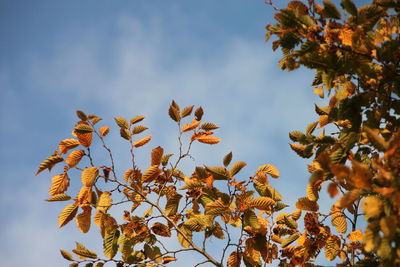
(142,141)
(211,140)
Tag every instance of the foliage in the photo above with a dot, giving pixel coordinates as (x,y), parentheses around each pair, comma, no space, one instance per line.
(355,54)
(356,157)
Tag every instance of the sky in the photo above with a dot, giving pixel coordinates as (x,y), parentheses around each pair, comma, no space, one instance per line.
(125,58)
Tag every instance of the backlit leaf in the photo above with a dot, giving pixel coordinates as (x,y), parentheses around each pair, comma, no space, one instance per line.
(110,243)
(142,141)
(121,122)
(183,238)
(306,204)
(104,202)
(332,247)
(172,204)
(89,176)
(74,157)
(104,130)
(67,214)
(269,169)
(208,139)
(83,219)
(157,155)
(372,206)
(161,229)
(59,184)
(216,208)
(67,144)
(262,203)
(59,197)
(287,241)
(190,126)
(234,259)
(151,174)
(236,167)
(49,163)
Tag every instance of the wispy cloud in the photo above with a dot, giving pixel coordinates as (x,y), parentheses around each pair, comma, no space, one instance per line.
(238,84)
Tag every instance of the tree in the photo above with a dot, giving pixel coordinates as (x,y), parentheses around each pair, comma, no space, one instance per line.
(356,155)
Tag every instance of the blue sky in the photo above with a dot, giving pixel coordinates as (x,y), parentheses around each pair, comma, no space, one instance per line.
(123,58)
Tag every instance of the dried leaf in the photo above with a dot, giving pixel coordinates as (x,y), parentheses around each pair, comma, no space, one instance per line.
(74,157)
(104,130)
(83,219)
(67,214)
(89,176)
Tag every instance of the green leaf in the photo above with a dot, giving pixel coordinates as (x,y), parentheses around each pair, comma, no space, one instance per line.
(110,243)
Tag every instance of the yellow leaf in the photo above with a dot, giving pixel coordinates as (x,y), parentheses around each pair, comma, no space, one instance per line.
(59,184)
(89,176)
(207,139)
(287,241)
(269,169)
(185,233)
(306,204)
(142,141)
(139,129)
(104,202)
(83,219)
(190,126)
(339,221)
(49,163)
(355,236)
(84,195)
(104,130)
(216,208)
(136,119)
(372,206)
(262,203)
(67,214)
(312,192)
(323,120)
(234,259)
(74,157)
(151,174)
(361,176)
(67,144)
(332,247)
(319,91)
(59,197)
